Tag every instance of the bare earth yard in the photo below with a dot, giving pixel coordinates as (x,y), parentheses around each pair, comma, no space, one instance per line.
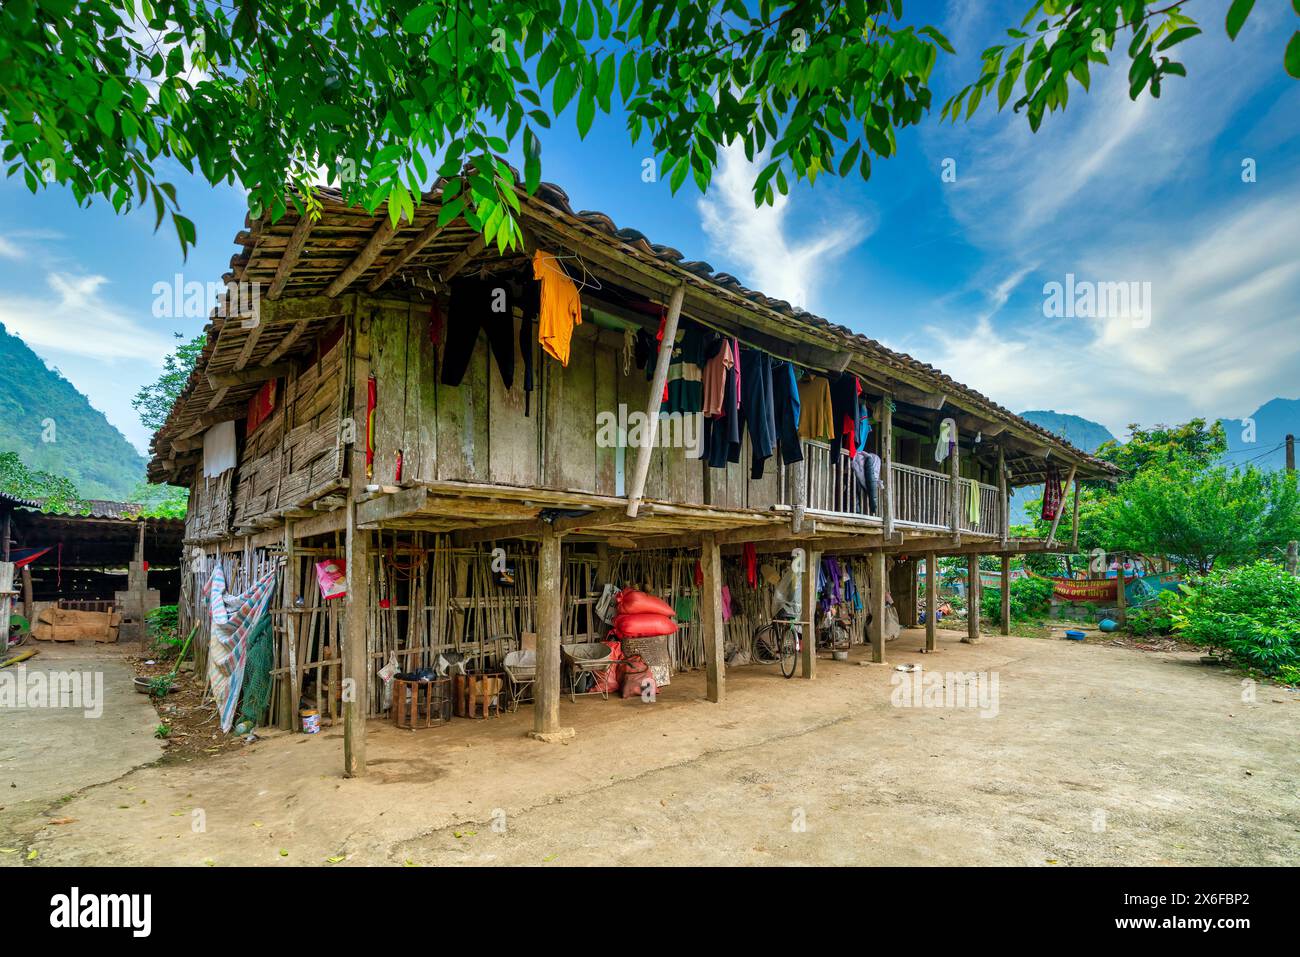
(1097,755)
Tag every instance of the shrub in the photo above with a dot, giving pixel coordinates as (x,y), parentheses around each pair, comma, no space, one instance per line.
(1156,618)
(1030,599)
(162,626)
(1251,612)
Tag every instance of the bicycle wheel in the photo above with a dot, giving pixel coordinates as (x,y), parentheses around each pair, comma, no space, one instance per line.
(789,651)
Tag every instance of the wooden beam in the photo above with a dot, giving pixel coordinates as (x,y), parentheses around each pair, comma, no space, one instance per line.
(407,253)
(463,260)
(651,434)
(369,253)
(954,483)
(876,630)
(972,599)
(249,376)
(887,464)
(1051,535)
(356,666)
(714,634)
(550,621)
(1006,594)
(808,611)
(289,258)
(931,600)
(536,527)
(1074,529)
(1003,498)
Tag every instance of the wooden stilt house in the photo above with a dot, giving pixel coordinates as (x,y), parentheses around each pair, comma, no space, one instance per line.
(347,407)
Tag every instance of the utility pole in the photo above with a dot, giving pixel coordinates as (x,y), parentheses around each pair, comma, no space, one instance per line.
(1292,547)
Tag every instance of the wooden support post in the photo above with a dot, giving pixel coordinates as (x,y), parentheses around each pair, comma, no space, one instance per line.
(650,434)
(1121,599)
(1003,498)
(550,620)
(954,486)
(798,493)
(878,588)
(972,599)
(1006,594)
(1051,535)
(294,684)
(887,464)
(714,634)
(808,609)
(931,600)
(356,670)
(1074,529)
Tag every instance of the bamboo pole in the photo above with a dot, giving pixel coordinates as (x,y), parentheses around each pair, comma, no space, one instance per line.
(1051,535)
(650,433)
(886,490)
(711,620)
(808,600)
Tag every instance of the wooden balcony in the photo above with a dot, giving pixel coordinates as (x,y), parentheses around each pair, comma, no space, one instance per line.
(921,497)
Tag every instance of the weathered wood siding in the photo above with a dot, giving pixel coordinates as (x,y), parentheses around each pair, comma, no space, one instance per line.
(478,432)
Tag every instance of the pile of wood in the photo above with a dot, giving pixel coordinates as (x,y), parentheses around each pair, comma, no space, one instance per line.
(63,624)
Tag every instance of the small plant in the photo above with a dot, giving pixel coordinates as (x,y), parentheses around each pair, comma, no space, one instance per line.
(162,731)
(1030,600)
(1155,618)
(159,686)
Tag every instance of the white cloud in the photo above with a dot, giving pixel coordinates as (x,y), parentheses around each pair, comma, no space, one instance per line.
(758,239)
(76,318)
(11,250)
(1109,191)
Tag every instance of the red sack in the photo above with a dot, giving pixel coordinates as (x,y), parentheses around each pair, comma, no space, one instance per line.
(639,680)
(643,626)
(632,602)
(611,679)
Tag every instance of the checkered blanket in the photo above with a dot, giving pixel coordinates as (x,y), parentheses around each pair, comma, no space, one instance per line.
(233,617)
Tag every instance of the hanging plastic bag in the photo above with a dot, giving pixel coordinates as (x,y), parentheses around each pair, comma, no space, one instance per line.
(331,578)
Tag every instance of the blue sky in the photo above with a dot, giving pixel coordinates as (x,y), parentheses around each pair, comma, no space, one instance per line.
(950,272)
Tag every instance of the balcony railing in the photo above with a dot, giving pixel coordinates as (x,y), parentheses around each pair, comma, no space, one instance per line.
(921,497)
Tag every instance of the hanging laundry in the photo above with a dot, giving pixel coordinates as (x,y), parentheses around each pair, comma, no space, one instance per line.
(816,416)
(864,422)
(530,303)
(718,359)
(973,506)
(756,407)
(645,350)
(866,469)
(219,449)
(846,392)
(943,445)
(1053,494)
(561,307)
(722,432)
(480,304)
(684,388)
(372,402)
(785,403)
(751,564)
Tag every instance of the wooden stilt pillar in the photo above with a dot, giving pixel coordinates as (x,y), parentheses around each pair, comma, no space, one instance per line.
(972,600)
(550,618)
(878,588)
(1006,594)
(715,666)
(808,608)
(356,671)
(1121,599)
(931,600)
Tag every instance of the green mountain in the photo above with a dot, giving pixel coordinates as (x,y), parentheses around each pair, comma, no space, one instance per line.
(1080,432)
(37,404)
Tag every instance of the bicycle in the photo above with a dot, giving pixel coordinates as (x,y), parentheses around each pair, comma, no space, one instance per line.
(778,641)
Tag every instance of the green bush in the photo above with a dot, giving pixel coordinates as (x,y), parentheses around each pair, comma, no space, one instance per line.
(1030,600)
(1156,618)
(163,628)
(1251,612)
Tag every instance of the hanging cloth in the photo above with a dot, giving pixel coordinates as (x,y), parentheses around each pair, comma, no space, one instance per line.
(816,416)
(786,406)
(943,445)
(219,449)
(479,305)
(1053,494)
(233,618)
(974,504)
(561,307)
(751,564)
(371,402)
(756,407)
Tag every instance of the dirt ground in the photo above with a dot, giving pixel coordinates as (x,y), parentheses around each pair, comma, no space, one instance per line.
(1095,754)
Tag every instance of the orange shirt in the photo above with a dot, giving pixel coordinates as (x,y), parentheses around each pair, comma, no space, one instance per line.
(560,310)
